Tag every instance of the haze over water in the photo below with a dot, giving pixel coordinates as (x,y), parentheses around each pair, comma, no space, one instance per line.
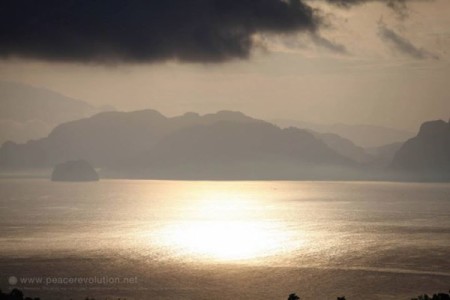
(228,240)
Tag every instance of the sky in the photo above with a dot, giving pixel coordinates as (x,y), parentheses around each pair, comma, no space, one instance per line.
(373,62)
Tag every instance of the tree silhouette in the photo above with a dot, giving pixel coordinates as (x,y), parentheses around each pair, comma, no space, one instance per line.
(293,296)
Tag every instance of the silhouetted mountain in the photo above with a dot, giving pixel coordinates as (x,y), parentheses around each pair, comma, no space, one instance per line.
(148,144)
(361,135)
(230,150)
(74,170)
(345,147)
(28,112)
(426,156)
(105,138)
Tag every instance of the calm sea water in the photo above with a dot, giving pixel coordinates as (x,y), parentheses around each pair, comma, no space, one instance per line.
(224,240)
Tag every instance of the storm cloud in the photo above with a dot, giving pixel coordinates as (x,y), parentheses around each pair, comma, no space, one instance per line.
(148,30)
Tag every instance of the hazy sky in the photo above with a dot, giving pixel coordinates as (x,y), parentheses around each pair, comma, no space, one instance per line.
(366,64)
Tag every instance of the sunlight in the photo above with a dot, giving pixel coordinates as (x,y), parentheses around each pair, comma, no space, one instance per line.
(222,240)
(226,226)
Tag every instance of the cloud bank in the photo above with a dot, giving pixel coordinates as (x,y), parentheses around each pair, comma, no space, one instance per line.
(149,30)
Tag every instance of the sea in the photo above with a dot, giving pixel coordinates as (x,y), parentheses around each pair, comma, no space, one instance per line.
(212,240)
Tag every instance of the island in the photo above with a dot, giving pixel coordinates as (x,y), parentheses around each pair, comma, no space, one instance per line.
(74,170)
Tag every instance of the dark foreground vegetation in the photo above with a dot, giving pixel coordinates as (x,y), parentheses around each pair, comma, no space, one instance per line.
(16,294)
(438,296)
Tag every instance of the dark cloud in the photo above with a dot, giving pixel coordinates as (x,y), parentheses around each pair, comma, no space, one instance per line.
(144,30)
(401,44)
(148,30)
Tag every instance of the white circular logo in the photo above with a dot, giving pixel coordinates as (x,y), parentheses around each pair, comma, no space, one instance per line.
(12,280)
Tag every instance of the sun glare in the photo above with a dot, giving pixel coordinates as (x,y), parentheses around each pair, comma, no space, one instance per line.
(223,240)
(225,226)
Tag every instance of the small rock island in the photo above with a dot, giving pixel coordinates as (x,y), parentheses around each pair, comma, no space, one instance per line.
(74,170)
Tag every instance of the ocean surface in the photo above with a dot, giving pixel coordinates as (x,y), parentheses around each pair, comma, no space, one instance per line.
(224,240)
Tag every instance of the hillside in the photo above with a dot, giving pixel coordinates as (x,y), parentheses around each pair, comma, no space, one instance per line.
(426,156)
(226,144)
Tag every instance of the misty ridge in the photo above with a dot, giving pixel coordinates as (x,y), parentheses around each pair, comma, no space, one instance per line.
(369,137)
(146,144)
(28,112)
(226,145)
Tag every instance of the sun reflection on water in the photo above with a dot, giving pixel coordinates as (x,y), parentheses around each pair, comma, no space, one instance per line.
(224,240)
(226,226)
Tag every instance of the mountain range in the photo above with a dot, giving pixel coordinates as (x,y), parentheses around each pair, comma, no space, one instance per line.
(226,145)
(147,144)
(222,145)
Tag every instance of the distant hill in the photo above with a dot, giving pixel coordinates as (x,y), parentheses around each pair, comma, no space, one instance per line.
(147,144)
(74,171)
(426,156)
(365,136)
(345,147)
(28,112)
(382,156)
